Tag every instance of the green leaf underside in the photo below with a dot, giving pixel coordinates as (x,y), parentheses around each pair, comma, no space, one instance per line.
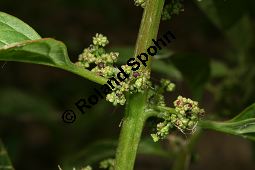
(5,163)
(13,30)
(241,125)
(46,51)
(43,51)
(19,42)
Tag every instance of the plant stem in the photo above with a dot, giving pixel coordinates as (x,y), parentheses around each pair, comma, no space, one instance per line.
(131,132)
(149,26)
(135,115)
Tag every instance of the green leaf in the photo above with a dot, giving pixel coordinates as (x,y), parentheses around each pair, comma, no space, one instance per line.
(13,30)
(43,51)
(19,42)
(5,162)
(241,125)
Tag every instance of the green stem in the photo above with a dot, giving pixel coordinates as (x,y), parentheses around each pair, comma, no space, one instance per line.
(157,111)
(131,131)
(149,26)
(135,115)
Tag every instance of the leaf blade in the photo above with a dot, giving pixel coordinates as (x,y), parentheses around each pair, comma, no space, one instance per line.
(35,51)
(13,30)
(45,51)
(242,125)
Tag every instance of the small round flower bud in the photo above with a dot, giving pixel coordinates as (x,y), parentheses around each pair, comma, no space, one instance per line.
(126,68)
(141,3)
(155,138)
(100,40)
(167,85)
(107,164)
(173,8)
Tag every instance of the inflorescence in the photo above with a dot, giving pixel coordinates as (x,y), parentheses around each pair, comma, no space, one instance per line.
(105,164)
(170,9)
(102,64)
(184,117)
(141,3)
(173,8)
(133,79)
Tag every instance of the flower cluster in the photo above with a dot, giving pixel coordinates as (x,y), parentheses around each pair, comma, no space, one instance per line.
(95,56)
(173,8)
(188,113)
(136,82)
(185,117)
(162,131)
(102,63)
(100,40)
(167,85)
(141,3)
(156,96)
(107,164)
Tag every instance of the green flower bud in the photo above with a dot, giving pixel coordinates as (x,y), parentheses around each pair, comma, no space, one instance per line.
(173,8)
(167,84)
(191,124)
(116,97)
(155,138)
(162,131)
(184,121)
(127,69)
(107,164)
(100,40)
(141,3)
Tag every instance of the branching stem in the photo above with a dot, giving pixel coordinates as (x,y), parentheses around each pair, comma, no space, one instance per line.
(135,115)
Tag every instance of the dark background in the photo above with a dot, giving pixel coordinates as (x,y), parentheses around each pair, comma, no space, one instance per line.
(33,97)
